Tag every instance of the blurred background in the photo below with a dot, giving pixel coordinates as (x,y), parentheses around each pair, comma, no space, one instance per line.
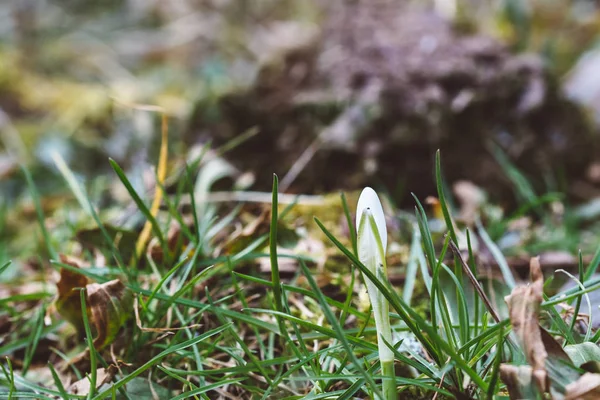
(330,95)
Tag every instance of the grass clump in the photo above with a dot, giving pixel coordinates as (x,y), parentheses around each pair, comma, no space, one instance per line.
(206,321)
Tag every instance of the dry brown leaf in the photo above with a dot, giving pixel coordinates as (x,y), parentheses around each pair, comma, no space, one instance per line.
(70,279)
(539,347)
(585,388)
(553,348)
(110,304)
(68,303)
(524,308)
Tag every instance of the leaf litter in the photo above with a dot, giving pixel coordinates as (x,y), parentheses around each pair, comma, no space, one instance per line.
(550,367)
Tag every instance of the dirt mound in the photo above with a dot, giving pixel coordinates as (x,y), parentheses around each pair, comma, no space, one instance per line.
(371,95)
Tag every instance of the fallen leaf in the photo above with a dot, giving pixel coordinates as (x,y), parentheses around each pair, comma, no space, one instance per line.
(110,304)
(585,388)
(585,355)
(553,348)
(559,365)
(550,368)
(68,303)
(524,308)
(518,381)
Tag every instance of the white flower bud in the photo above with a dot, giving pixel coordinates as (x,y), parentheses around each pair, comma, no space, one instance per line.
(369,200)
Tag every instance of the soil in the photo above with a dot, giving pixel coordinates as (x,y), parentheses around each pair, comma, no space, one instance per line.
(379,88)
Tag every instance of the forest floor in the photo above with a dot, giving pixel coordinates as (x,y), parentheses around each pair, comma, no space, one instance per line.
(171,223)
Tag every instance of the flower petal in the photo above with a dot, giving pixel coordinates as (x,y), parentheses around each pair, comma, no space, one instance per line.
(369,200)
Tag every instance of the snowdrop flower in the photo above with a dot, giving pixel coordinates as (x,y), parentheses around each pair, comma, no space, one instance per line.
(372,244)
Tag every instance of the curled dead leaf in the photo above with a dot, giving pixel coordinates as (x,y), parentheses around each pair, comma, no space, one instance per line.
(109,305)
(550,368)
(68,303)
(524,308)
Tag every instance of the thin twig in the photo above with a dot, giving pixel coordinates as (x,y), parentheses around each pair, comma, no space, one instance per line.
(474,282)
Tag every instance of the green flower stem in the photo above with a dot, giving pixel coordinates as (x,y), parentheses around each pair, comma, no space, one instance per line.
(372,255)
(389,380)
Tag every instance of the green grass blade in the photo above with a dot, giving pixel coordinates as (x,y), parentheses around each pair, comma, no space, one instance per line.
(57,382)
(388,294)
(439,302)
(475,284)
(4,266)
(425,233)
(572,293)
(28,395)
(34,339)
(593,266)
(579,298)
(524,189)
(10,377)
(349,292)
(497,254)
(206,388)
(462,313)
(330,333)
(340,335)
(411,268)
(349,221)
(275,278)
(71,180)
(484,336)
(157,358)
(241,343)
(90,343)
(413,320)
(304,292)
(292,370)
(140,203)
(463,310)
(442,198)
(39,212)
(357,385)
